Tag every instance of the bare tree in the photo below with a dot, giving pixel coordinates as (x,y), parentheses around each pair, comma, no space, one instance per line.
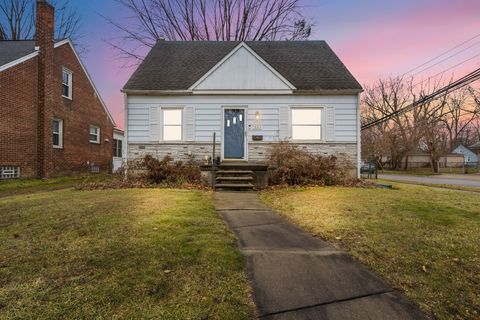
(226,20)
(460,114)
(17,20)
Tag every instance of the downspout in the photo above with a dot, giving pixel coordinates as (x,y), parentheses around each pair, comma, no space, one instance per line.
(125,134)
(359,137)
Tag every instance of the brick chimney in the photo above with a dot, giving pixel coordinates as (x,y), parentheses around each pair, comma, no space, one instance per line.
(44,39)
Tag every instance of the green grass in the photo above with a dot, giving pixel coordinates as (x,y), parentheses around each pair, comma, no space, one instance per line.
(424,241)
(24,186)
(118,254)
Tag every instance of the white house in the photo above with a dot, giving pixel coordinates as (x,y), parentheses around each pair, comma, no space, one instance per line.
(470,156)
(251,94)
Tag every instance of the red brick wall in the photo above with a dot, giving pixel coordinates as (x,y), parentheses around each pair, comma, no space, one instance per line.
(18,113)
(78,114)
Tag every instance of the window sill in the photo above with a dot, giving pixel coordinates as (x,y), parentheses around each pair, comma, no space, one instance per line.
(95,142)
(58,147)
(68,98)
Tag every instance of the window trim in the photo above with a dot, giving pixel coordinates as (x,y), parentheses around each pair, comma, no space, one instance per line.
(97,141)
(70,83)
(181,125)
(322,123)
(60,133)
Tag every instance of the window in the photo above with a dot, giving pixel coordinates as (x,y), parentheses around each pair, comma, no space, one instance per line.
(9,172)
(67,81)
(172,124)
(117,148)
(57,133)
(94,134)
(307,124)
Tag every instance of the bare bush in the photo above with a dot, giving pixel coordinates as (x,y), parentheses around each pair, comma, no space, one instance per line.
(170,172)
(291,165)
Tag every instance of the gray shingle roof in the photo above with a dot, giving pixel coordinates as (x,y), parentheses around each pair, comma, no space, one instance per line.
(177,65)
(13,50)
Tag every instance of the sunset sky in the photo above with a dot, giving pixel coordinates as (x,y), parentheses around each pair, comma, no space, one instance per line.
(374,38)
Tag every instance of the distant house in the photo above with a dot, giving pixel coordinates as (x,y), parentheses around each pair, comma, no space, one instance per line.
(52,118)
(422,159)
(251,94)
(470,156)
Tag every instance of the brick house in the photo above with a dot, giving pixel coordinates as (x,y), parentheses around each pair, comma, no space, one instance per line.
(52,119)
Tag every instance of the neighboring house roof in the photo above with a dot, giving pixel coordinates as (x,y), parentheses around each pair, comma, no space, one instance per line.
(177,65)
(475,146)
(15,52)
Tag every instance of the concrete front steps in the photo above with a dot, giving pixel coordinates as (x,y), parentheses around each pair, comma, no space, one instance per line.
(234,179)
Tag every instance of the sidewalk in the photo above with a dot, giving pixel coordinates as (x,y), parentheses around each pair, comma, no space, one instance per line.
(297,276)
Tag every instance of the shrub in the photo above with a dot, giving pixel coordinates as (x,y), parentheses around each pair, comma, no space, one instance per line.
(293,166)
(170,172)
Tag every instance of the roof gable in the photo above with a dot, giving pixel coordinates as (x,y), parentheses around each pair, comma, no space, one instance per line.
(242,69)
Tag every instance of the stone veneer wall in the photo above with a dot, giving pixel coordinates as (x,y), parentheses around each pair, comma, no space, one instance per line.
(257,151)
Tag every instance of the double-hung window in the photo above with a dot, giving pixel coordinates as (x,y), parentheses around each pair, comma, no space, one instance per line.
(307,123)
(172,124)
(57,133)
(117,148)
(67,82)
(94,134)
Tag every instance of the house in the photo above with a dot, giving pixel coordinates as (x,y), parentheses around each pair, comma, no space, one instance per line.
(250,94)
(52,118)
(470,157)
(118,142)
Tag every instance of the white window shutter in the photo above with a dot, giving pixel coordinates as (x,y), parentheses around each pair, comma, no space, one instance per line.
(155,126)
(284,123)
(189,123)
(330,124)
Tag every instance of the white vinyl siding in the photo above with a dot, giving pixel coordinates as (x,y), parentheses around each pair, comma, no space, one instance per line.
(340,116)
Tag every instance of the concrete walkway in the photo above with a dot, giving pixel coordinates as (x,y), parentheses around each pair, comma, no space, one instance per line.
(297,276)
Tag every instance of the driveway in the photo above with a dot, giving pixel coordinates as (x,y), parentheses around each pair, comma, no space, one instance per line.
(470,180)
(297,276)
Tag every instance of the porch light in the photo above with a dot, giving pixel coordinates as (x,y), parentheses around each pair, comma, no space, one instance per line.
(257,115)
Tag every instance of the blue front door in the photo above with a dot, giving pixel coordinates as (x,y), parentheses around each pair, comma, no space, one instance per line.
(234,143)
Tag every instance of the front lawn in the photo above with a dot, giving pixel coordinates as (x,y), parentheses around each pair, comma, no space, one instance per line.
(424,241)
(118,254)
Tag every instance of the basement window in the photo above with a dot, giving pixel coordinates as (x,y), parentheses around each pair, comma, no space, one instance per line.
(57,133)
(9,172)
(307,124)
(67,82)
(94,134)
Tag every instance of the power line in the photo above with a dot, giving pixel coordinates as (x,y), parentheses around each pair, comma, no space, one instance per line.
(442,54)
(469,78)
(442,72)
(445,59)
